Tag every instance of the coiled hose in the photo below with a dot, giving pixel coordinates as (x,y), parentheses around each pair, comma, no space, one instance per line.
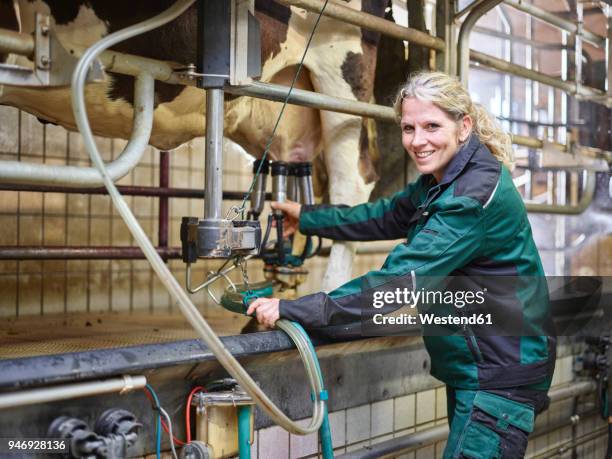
(190,312)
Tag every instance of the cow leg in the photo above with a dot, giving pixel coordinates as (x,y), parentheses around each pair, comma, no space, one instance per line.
(341,134)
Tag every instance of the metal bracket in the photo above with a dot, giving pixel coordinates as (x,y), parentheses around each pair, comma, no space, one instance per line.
(190,73)
(53,65)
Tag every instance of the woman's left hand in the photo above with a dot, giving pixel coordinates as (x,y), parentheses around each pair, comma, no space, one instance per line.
(266,311)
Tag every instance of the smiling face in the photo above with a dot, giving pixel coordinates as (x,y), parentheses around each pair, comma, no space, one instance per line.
(430,136)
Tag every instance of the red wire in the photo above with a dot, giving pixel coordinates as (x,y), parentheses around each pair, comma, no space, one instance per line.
(188,411)
(177,442)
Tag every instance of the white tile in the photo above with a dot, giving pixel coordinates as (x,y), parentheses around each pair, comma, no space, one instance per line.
(441,402)
(426,426)
(357,424)
(382,418)
(337,424)
(381,439)
(403,433)
(303,445)
(566,370)
(357,446)
(404,412)
(273,443)
(425,406)
(540,443)
(9,129)
(428,452)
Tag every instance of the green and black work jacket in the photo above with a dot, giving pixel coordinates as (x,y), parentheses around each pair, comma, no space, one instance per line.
(471,224)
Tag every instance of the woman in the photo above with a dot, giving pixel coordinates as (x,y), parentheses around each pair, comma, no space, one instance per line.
(463,216)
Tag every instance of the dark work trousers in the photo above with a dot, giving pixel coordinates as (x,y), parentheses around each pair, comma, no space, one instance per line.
(492,424)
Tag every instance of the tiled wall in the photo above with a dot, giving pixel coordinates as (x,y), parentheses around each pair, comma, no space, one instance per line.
(363,425)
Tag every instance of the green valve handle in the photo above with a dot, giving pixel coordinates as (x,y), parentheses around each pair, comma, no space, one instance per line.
(238,300)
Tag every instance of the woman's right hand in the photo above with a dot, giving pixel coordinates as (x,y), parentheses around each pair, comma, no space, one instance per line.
(291,211)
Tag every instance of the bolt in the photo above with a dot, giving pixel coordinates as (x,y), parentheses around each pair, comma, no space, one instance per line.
(45,61)
(44,30)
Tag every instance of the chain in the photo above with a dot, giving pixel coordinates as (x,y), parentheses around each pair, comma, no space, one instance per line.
(241,263)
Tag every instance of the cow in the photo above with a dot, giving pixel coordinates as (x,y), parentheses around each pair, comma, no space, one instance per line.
(340,62)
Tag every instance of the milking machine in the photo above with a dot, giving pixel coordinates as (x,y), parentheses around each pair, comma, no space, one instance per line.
(227,52)
(284,260)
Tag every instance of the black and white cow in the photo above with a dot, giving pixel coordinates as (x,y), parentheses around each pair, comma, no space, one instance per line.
(340,62)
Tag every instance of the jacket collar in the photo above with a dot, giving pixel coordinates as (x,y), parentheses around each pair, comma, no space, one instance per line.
(460,160)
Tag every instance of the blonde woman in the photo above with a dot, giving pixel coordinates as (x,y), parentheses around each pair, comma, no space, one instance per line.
(463,217)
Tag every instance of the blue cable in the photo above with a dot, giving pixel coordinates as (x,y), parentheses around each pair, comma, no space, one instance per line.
(158,425)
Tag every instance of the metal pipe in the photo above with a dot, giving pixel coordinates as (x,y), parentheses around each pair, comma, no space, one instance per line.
(532,142)
(516,39)
(46,174)
(407,443)
(16,43)
(587,197)
(214,154)
(463,44)
(369,21)
(122,385)
(572,390)
(511,119)
(164,71)
(82,253)
(312,99)
(573,419)
(518,70)
(562,447)
(555,20)
(578,44)
(127,190)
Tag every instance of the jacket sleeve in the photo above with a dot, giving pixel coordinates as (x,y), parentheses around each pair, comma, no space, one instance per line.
(450,239)
(384,219)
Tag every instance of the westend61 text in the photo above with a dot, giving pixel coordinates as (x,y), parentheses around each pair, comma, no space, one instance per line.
(432,319)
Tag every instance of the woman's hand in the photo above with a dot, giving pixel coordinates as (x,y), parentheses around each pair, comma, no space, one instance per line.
(266,311)
(291,211)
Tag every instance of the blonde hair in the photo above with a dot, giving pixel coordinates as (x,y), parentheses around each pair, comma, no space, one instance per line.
(447,93)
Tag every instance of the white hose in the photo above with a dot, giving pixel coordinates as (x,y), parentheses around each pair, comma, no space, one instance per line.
(187,308)
(78,176)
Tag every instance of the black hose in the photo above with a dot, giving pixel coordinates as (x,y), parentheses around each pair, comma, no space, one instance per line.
(317,250)
(264,242)
(280,249)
